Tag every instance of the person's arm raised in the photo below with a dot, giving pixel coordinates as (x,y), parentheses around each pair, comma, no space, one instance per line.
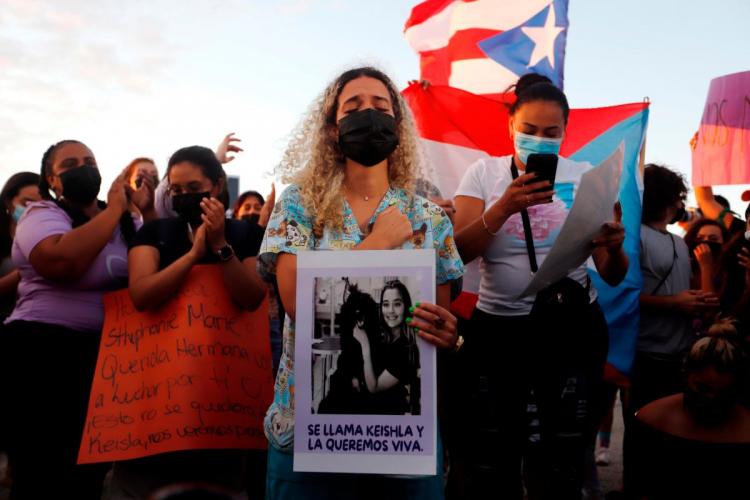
(609,257)
(267,210)
(226,147)
(711,208)
(67,257)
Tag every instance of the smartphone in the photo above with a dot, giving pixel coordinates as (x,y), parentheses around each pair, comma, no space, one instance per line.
(544,165)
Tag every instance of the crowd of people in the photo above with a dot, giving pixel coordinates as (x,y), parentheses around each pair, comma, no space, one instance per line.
(357,181)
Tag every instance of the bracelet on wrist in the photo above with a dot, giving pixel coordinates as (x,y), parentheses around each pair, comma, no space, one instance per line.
(487,228)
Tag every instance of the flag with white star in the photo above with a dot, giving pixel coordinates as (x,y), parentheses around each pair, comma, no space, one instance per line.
(537,45)
(484,46)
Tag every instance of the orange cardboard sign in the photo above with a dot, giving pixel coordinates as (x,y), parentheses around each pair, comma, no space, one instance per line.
(196,373)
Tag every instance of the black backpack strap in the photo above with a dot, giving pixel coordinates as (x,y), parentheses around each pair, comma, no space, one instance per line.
(671,266)
(526,226)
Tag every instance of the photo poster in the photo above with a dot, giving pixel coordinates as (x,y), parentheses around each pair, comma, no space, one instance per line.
(196,373)
(347,300)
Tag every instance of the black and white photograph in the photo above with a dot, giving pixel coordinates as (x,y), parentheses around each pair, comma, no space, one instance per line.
(365,356)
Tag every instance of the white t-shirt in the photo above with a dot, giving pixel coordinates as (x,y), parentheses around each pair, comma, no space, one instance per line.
(504,265)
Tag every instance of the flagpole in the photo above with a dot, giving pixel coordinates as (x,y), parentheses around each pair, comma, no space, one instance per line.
(642,155)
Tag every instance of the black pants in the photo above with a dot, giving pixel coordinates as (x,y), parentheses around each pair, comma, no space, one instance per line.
(49,374)
(511,359)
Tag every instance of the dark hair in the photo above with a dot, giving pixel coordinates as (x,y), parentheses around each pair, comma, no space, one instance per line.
(127,226)
(662,188)
(406,297)
(358,307)
(10,191)
(130,169)
(210,166)
(695,227)
(722,201)
(243,197)
(534,87)
(370,72)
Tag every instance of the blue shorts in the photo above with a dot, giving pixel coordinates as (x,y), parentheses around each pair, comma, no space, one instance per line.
(282,483)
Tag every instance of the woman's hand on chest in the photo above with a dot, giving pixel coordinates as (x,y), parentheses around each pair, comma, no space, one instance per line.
(391,230)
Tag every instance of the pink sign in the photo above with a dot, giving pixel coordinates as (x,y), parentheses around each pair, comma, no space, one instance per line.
(722,149)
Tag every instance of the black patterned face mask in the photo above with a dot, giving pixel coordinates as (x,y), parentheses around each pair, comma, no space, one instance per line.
(367,136)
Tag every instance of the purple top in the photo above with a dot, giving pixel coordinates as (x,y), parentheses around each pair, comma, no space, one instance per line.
(76,305)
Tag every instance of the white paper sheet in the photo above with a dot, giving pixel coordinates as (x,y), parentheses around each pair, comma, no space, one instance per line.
(593,206)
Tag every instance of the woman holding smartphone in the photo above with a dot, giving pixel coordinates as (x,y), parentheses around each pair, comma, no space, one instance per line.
(541,355)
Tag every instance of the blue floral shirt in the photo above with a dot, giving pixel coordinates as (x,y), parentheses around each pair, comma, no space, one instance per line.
(290,230)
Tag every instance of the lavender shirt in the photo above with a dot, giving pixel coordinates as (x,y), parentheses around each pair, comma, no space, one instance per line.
(76,305)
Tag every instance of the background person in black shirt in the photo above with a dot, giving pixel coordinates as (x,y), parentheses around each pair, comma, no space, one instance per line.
(163,253)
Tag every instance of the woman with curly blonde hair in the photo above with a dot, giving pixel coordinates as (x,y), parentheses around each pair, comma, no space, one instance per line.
(351,164)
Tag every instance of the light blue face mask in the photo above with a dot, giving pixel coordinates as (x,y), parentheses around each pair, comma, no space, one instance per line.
(526,144)
(18,212)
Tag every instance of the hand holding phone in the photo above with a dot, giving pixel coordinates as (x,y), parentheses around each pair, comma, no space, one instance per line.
(544,166)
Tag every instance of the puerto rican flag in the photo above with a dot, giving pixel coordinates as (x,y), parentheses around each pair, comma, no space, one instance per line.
(458,128)
(484,46)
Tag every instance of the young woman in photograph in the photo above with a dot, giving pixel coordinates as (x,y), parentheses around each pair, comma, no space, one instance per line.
(391,377)
(351,166)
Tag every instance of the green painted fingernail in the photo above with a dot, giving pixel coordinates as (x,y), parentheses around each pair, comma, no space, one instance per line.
(411,309)
(416,328)
(408,320)
(418,304)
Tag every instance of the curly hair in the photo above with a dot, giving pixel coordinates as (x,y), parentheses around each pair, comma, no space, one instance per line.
(359,307)
(314,162)
(662,188)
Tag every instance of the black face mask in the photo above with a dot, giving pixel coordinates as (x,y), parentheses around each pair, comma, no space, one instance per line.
(367,136)
(715,246)
(708,411)
(254,218)
(188,206)
(81,184)
(679,216)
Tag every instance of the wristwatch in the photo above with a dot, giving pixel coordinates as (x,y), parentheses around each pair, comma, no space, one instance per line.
(225,253)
